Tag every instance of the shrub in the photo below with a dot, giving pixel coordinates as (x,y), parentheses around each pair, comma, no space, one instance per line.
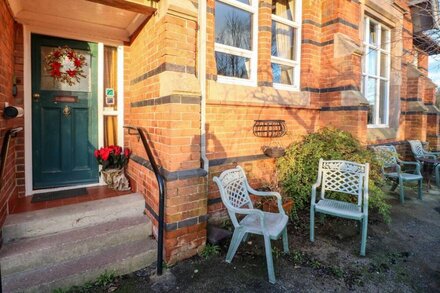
(298,169)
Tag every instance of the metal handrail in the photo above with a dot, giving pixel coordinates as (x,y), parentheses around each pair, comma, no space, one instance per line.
(139,131)
(12,132)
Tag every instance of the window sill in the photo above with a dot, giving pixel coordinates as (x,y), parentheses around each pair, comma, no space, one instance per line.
(285,87)
(373,126)
(236,81)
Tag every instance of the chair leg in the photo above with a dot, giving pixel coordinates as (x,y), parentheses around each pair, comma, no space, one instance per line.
(285,241)
(364,235)
(269,260)
(235,243)
(312,223)
(437,175)
(245,237)
(402,196)
(420,189)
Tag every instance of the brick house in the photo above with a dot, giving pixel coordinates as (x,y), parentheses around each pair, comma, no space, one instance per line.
(195,75)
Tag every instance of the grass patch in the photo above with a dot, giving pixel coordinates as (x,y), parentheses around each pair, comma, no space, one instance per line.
(210,250)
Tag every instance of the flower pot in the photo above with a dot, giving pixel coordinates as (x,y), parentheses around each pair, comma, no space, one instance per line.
(115,179)
(271,206)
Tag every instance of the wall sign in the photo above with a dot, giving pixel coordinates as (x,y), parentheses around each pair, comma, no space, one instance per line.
(110,96)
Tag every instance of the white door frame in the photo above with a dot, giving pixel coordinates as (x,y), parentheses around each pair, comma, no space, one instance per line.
(27,94)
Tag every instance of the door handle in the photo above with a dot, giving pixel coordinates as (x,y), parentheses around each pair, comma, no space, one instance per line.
(36,97)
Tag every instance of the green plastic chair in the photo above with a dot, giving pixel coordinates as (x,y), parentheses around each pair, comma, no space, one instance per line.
(345,177)
(392,169)
(234,190)
(419,152)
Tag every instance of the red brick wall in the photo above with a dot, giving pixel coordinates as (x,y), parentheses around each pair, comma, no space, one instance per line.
(11,63)
(167,45)
(231,110)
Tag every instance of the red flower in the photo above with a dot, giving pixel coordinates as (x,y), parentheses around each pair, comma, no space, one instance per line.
(77,62)
(71,73)
(55,73)
(57,54)
(118,150)
(70,54)
(96,153)
(105,154)
(56,65)
(126,152)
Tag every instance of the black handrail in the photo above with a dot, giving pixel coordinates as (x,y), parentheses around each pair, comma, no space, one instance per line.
(12,132)
(161,185)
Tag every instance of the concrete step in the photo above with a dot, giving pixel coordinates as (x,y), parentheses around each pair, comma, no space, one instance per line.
(120,259)
(53,220)
(31,253)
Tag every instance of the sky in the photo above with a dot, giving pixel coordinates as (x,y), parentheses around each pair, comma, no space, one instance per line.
(434,69)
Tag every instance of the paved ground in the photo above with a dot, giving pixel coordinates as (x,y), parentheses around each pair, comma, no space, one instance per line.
(401,257)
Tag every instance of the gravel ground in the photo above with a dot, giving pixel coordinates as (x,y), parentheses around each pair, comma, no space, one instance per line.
(403,256)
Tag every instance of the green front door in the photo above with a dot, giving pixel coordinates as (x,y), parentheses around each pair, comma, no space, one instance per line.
(64,117)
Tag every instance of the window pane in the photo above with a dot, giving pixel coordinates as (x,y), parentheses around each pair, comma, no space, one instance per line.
(232,26)
(384,39)
(383,101)
(384,66)
(373,35)
(110,130)
(284,8)
(110,78)
(283,41)
(231,65)
(244,1)
(372,61)
(282,74)
(370,94)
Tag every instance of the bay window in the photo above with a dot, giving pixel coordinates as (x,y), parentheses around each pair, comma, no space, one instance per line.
(376,72)
(236,29)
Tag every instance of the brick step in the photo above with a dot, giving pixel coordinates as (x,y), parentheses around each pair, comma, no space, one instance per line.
(120,259)
(48,250)
(53,220)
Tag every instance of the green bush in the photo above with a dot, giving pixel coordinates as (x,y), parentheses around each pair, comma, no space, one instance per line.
(298,169)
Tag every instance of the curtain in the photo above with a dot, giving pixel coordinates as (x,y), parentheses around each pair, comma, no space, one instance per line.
(284,39)
(110,81)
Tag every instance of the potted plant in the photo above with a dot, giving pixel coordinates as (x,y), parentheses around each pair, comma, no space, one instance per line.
(113,160)
(270,203)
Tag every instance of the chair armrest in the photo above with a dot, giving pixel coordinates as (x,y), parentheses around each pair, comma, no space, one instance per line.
(433,153)
(428,155)
(269,193)
(417,164)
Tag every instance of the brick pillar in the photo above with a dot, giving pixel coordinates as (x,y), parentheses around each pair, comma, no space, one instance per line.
(163,96)
(343,106)
(264,43)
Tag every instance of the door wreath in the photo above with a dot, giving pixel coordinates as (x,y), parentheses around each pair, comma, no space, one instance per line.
(66,65)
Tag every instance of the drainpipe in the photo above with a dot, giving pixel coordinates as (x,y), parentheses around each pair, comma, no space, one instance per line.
(202,79)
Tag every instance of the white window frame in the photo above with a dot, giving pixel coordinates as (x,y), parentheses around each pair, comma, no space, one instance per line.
(251,54)
(296,64)
(365,74)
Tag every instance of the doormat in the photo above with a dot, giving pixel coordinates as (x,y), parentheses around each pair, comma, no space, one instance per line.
(58,194)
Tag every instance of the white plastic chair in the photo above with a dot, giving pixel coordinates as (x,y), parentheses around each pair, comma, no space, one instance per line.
(234,190)
(392,169)
(419,152)
(346,177)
